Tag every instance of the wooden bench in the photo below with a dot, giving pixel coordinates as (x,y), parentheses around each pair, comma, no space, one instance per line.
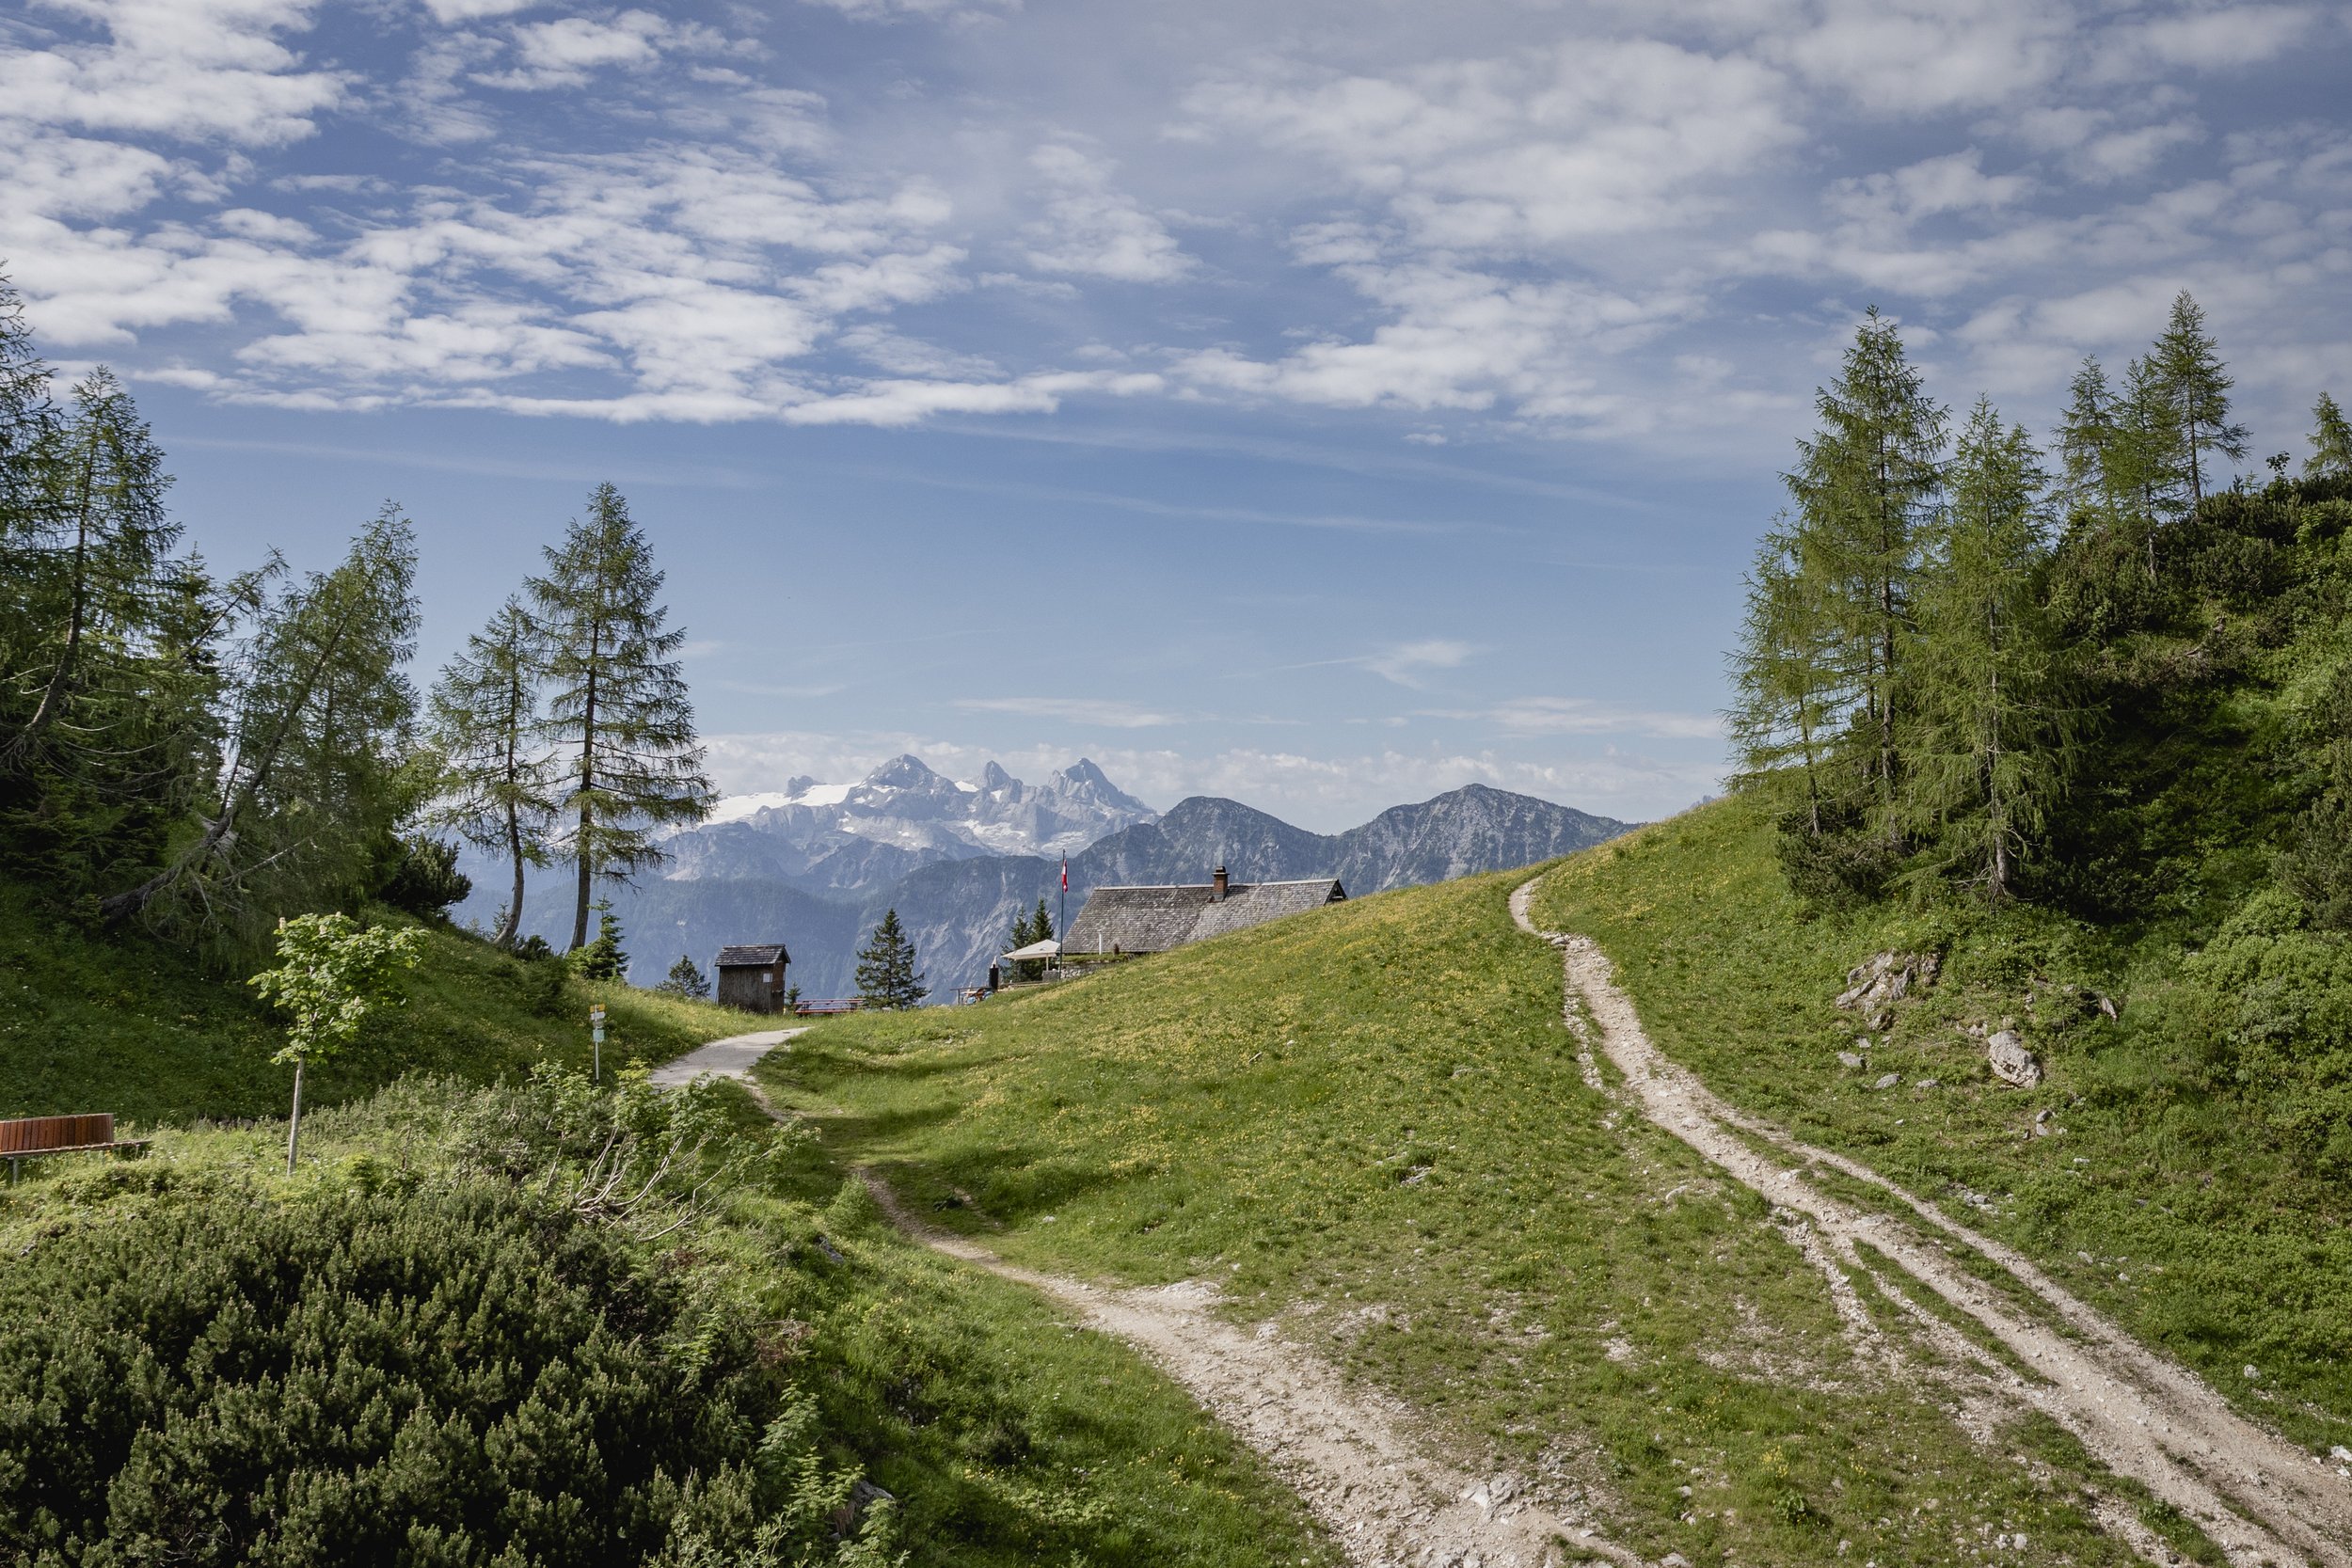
(30,1137)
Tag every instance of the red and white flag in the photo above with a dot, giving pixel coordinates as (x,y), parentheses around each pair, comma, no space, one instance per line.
(1065,873)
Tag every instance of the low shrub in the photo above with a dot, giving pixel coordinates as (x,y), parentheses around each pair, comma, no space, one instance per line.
(452,1373)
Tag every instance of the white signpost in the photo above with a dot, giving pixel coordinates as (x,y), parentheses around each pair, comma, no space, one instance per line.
(595,1035)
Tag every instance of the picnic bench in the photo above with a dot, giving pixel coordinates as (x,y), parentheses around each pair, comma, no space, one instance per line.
(30,1137)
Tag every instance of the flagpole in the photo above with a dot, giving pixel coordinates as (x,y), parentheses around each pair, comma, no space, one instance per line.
(1063,929)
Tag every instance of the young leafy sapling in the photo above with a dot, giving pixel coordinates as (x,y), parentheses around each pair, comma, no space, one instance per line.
(331,976)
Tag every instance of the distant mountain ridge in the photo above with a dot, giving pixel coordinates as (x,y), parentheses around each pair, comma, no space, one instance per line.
(837,839)
(815,866)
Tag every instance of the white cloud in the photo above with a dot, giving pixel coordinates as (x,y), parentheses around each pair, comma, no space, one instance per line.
(1091,228)
(1459,338)
(1929,56)
(1589,716)
(568,52)
(1589,136)
(2221,38)
(1408,663)
(1105,714)
(192,69)
(447,11)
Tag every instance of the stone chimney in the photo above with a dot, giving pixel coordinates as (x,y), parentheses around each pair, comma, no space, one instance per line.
(1216,885)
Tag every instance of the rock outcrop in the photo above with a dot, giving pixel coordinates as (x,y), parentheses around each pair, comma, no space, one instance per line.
(2012,1062)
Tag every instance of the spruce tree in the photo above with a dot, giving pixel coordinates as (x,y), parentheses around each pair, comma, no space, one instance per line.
(686,978)
(886,976)
(1041,922)
(2331,442)
(1987,740)
(2196,394)
(496,786)
(619,708)
(603,958)
(1864,488)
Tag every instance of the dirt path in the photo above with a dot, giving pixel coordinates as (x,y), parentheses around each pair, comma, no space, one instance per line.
(733,1057)
(2262,1500)
(1357,1459)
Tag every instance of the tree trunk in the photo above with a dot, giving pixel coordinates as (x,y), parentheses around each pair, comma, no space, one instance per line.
(504,941)
(121,906)
(53,696)
(293,1123)
(582,850)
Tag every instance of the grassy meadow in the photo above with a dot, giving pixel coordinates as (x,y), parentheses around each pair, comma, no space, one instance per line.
(1367,1123)
(2164,1192)
(94,1024)
(1006,1434)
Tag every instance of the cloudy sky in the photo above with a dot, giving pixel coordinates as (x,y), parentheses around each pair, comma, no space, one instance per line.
(1322,402)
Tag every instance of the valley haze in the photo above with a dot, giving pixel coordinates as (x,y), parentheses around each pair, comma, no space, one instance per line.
(815,866)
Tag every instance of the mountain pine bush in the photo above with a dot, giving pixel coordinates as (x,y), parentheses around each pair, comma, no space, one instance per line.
(389,1372)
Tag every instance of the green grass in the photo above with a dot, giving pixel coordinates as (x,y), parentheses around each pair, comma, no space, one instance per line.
(130,1026)
(2203,1235)
(1368,1121)
(1008,1436)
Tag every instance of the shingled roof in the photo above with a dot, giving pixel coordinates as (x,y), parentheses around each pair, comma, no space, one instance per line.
(1155,919)
(755,955)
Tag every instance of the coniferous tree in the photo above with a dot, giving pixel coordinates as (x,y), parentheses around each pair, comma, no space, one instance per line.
(1789,681)
(2087,442)
(2196,394)
(2332,441)
(92,552)
(314,778)
(886,976)
(1864,488)
(1987,741)
(29,418)
(619,708)
(686,978)
(496,784)
(603,958)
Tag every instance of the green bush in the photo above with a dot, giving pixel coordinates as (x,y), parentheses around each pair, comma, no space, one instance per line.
(388,1373)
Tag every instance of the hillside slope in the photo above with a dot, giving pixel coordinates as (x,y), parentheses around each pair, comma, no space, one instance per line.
(1369,1126)
(2174,1202)
(131,1027)
(1004,1435)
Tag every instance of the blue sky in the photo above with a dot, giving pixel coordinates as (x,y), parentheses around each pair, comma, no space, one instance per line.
(1322,403)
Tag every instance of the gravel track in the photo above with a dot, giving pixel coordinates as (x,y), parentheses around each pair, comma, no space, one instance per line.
(1362,1462)
(2263,1499)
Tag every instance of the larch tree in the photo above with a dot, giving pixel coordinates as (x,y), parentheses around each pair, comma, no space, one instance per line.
(1986,739)
(1789,683)
(313,781)
(497,789)
(1864,488)
(94,548)
(2332,441)
(2087,441)
(2196,393)
(617,705)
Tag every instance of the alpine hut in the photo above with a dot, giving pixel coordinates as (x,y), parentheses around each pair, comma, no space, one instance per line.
(751,977)
(1155,919)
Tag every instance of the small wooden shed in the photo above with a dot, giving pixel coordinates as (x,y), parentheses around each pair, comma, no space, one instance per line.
(751,977)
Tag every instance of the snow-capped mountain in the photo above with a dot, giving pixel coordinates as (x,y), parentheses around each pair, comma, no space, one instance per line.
(828,837)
